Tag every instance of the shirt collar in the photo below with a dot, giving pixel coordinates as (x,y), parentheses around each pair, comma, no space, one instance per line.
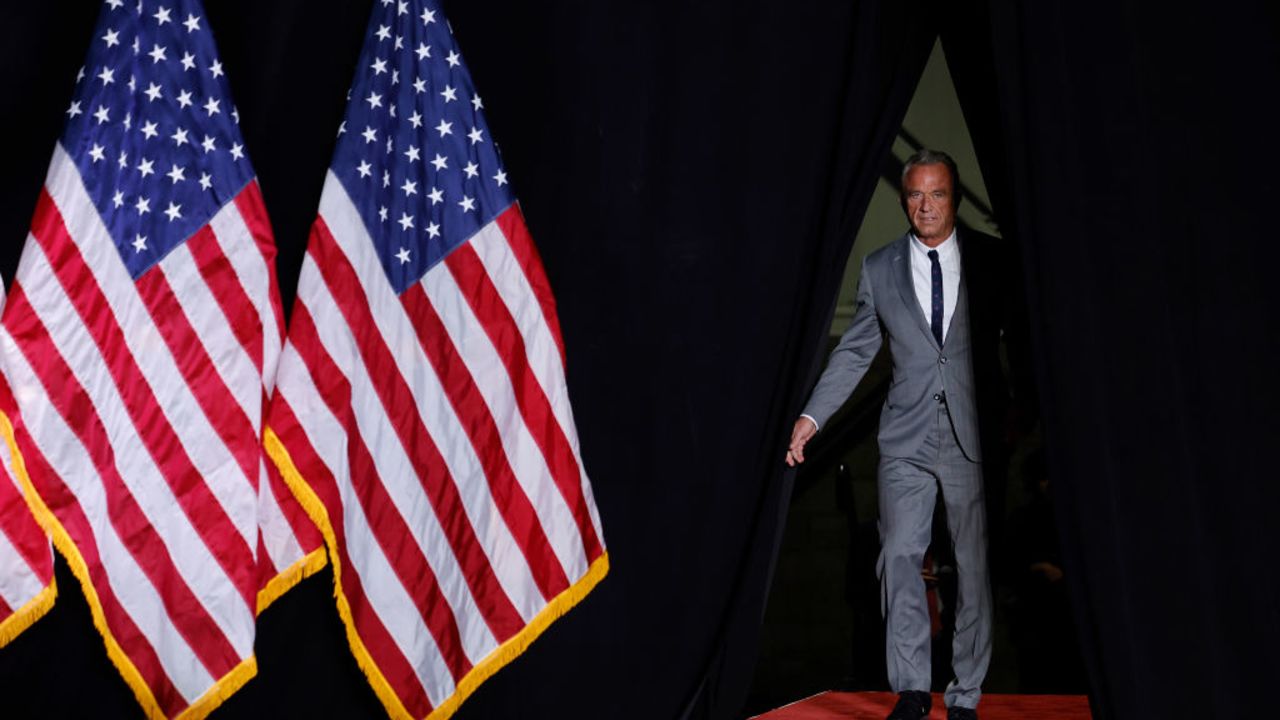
(945,249)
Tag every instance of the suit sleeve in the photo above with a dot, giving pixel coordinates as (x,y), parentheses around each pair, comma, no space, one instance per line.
(850,359)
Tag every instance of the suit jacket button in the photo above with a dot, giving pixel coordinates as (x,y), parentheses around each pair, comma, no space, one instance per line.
(942,360)
(937,397)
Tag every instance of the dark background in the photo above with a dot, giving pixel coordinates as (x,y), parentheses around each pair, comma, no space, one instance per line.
(694,174)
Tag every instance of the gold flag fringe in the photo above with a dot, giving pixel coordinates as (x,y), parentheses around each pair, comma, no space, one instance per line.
(25,616)
(312,563)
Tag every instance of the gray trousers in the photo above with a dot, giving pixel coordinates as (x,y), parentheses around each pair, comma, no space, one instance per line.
(908,489)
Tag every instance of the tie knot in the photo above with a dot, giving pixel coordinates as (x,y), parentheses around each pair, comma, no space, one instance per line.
(933,255)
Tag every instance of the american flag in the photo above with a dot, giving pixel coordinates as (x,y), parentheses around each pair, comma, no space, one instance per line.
(421,411)
(139,339)
(27,590)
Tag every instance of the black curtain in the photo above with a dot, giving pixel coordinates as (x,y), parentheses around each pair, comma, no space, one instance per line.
(1127,143)
(694,175)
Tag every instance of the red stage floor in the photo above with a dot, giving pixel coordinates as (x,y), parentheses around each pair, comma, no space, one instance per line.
(875,705)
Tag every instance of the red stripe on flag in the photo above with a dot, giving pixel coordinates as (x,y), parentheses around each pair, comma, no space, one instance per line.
(24,533)
(59,499)
(266,569)
(471,409)
(7,404)
(392,663)
(5,610)
(385,521)
(230,295)
(500,326)
(65,393)
(203,510)
(220,407)
(18,524)
(254,212)
(511,222)
(398,401)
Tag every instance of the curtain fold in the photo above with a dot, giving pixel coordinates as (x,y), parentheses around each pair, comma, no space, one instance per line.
(1130,140)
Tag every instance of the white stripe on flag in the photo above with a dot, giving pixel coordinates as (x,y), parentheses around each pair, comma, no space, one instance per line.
(281,545)
(18,582)
(251,270)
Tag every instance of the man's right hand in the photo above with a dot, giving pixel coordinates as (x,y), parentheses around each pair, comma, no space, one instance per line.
(804,430)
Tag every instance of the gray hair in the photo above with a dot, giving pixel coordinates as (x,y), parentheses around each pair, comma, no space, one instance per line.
(925,156)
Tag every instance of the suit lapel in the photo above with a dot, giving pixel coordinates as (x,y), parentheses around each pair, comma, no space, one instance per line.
(907,288)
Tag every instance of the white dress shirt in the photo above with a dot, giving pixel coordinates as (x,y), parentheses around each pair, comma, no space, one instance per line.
(922,275)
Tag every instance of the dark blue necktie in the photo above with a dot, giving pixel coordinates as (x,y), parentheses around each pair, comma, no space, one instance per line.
(935,321)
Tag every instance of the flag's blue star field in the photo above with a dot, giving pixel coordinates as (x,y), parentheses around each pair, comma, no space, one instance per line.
(414,152)
(152,127)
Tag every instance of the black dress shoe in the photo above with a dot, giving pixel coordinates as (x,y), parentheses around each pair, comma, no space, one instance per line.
(959,713)
(912,705)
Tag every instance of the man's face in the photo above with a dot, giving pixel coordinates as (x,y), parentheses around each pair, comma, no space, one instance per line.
(929,200)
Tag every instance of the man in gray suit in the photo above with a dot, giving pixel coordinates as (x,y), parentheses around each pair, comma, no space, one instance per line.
(919,291)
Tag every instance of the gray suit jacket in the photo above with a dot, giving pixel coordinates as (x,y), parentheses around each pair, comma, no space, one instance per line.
(923,373)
